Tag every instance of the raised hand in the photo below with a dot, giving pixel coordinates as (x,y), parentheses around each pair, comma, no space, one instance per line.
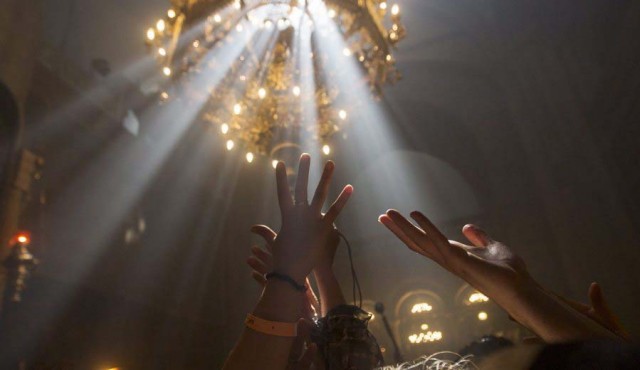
(305,230)
(492,268)
(489,266)
(295,251)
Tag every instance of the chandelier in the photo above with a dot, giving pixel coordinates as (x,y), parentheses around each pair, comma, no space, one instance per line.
(280,89)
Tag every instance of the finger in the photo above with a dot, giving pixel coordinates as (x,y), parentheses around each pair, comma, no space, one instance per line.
(264,256)
(601,307)
(302,180)
(338,205)
(266,233)
(320,196)
(597,298)
(258,277)
(389,224)
(305,362)
(476,235)
(257,265)
(410,235)
(284,195)
(411,230)
(441,243)
(430,229)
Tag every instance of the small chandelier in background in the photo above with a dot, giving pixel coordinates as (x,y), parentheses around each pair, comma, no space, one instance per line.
(272,100)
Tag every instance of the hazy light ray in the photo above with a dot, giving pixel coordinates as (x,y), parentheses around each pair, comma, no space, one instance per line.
(111,90)
(87,213)
(193,166)
(169,123)
(61,120)
(309,107)
(370,135)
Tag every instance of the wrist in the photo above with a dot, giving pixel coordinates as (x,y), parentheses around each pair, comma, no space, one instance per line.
(291,270)
(279,302)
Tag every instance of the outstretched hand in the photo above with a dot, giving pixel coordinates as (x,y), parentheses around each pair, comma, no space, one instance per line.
(495,270)
(305,231)
(488,265)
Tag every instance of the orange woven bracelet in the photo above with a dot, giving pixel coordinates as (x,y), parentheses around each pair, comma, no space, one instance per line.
(279,329)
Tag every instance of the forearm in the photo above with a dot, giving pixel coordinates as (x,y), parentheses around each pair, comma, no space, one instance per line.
(551,319)
(329,289)
(279,302)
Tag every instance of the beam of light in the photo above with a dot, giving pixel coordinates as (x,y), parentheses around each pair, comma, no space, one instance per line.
(383,175)
(89,210)
(106,95)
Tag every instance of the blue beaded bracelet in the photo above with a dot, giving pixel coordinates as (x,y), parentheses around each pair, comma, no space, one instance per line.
(286,278)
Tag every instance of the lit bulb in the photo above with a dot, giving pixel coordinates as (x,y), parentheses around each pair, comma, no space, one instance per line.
(262,93)
(224,128)
(383,5)
(268,24)
(160,25)
(388,57)
(424,326)
(151,34)
(237,109)
(249,157)
(346,52)
(482,316)
(393,35)
(395,9)
(274,163)
(239,28)
(326,149)
(331,13)
(296,90)
(217,18)
(342,114)
(164,95)
(171,13)
(230,144)
(162,51)
(22,239)
(166,71)
(196,43)
(237,5)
